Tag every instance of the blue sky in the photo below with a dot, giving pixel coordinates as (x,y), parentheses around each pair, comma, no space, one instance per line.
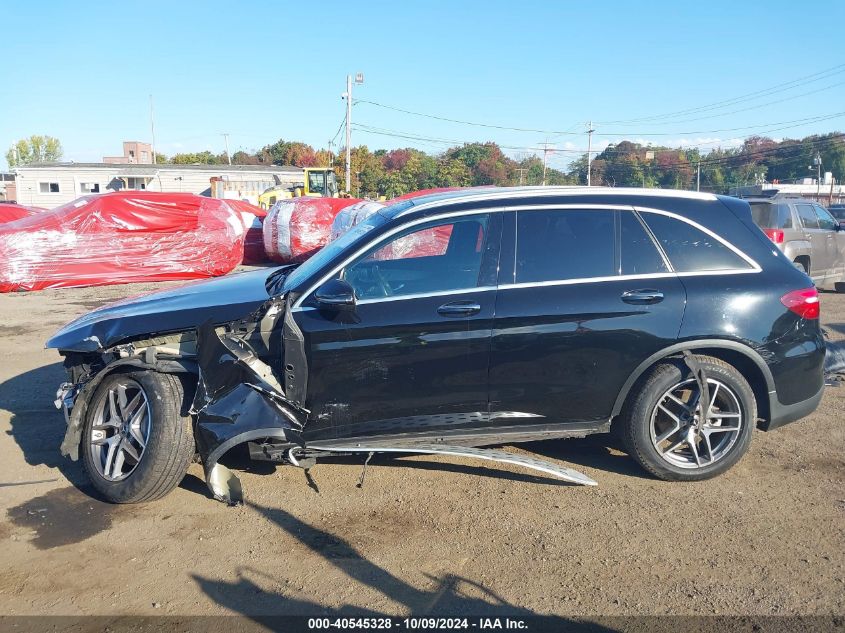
(264,70)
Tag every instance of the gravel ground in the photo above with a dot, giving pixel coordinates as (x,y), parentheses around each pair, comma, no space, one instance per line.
(425,535)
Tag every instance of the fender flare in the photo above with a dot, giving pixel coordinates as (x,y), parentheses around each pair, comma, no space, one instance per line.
(666,352)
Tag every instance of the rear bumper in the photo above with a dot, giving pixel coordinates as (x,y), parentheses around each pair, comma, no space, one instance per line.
(785,413)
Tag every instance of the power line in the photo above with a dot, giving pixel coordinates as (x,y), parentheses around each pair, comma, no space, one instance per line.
(818,76)
(797,122)
(541,147)
(788,124)
(473,123)
(754,107)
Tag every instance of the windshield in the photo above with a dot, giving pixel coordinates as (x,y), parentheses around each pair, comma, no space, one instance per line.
(317,182)
(331,250)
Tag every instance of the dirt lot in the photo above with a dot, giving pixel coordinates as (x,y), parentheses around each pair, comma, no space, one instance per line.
(425,534)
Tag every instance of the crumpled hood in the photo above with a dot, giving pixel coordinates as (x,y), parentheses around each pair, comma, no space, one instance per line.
(184,308)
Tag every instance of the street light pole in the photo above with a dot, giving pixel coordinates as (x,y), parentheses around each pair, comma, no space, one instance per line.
(348,133)
(590,131)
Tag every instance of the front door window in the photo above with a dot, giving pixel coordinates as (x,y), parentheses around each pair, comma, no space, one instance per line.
(433,258)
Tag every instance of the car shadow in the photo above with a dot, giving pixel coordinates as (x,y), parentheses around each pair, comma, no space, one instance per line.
(448,594)
(602,451)
(37,427)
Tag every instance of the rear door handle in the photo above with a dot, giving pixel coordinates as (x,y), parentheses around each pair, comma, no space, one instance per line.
(642,297)
(459,309)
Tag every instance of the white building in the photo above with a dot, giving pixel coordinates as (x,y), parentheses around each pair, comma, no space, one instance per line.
(49,185)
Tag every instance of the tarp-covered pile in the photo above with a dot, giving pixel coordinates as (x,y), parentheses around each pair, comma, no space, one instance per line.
(297,228)
(253,218)
(121,237)
(10,212)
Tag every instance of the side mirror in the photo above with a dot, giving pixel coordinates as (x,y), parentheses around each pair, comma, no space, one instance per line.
(336,294)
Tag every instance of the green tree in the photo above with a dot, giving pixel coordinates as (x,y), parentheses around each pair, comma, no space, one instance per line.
(35,149)
(202,158)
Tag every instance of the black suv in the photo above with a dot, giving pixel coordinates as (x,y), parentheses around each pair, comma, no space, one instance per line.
(457,320)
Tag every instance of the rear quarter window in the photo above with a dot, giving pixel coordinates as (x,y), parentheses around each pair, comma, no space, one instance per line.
(690,249)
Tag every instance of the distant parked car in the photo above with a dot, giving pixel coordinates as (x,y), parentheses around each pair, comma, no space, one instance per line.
(807,234)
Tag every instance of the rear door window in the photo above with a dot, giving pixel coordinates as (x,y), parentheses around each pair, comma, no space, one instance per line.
(638,254)
(690,249)
(808,216)
(559,244)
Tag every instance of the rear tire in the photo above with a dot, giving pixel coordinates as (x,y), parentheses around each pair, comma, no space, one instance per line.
(659,406)
(144,415)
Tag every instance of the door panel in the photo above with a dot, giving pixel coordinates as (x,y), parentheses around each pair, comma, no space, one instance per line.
(564,352)
(834,239)
(414,355)
(399,366)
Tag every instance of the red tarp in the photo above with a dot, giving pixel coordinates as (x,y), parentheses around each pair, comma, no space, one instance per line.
(121,237)
(253,218)
(297,228)
(10,212)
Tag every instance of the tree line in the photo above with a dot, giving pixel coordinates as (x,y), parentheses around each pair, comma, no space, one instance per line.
(626,164)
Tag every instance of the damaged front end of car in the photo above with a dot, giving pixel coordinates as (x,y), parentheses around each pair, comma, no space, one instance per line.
(240,399)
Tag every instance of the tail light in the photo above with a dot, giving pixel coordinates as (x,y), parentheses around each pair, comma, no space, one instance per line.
(804,303)
(776,235)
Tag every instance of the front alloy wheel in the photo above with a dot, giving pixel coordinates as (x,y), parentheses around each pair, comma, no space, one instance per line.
(137,438)
(120,430)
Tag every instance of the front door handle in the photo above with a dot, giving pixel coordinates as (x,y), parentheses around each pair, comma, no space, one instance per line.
(459,309)
(642,297)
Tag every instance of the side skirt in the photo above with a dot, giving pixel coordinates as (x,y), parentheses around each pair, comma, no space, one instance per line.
(566,474)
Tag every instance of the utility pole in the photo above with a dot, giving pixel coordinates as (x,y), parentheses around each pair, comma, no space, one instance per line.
(331,153)
(359,79)
(348,133)
(590,131)
(228,155)
(698,177)
(521,171)
(546,151)
(818,162)
(153,129)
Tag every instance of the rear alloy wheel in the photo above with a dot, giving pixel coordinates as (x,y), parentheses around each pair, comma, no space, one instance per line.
(137,439)
(675,436)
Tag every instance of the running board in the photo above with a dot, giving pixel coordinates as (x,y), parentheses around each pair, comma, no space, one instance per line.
(566,474)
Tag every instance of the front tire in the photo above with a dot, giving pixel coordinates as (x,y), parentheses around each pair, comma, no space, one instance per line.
(137,439)
(661,428)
